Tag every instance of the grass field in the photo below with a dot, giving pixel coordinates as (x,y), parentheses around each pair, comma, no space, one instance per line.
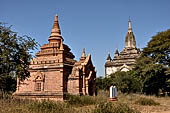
(162,107)
(131,103)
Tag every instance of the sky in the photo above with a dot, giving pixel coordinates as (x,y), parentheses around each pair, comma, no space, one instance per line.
(98,26)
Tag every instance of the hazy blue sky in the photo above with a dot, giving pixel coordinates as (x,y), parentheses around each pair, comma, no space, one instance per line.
(96,25)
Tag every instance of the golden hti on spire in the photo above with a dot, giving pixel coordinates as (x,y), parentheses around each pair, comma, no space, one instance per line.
(55,33)
(130,27)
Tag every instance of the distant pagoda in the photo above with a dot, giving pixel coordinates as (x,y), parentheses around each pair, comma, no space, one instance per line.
(125,60)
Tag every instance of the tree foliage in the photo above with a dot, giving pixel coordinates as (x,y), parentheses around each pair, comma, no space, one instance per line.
(153,65)
(152,75)
(14,56)
(99,83)
(124,81)
(103,83)
(158,48)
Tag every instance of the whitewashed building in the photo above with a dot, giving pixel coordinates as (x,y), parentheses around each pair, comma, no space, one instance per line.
(125,60)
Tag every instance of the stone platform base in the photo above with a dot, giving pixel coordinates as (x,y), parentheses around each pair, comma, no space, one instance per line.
(39,96)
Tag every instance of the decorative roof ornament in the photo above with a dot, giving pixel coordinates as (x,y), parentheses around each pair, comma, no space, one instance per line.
(61,45)
(83,57)
(56,32)
(130,26)
(116,52)
(83,54)
(109,57)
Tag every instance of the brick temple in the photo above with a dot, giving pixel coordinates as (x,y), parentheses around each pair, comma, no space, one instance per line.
(54,72)
(125,60)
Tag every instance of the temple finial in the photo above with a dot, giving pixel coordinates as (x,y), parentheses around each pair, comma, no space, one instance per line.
(116,52)
(83,57)
(108,57)
(83,54)
(130,27)
(56,25)
(130,41)
(129,19)
(55,33)
(56,15)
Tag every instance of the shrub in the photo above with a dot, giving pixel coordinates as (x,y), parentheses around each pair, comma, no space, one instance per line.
(104,107)
(108,107)
(8,105)
(5,95)
(79,100)
(146,101)
(124,108)
(49,107)
(103,96)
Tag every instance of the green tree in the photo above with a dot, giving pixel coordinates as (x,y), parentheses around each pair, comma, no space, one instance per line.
(15,55)
(99,83)
(103,83)
(158,48)
(153,65)
(126,82)
(152,75)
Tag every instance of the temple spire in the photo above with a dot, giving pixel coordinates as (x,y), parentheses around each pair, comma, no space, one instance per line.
(116,52)
(56,32)
(130,41)
(83,54)
(108,57)
(130,27)
(83,57)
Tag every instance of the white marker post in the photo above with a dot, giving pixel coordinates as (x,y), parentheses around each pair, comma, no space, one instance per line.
(113,93)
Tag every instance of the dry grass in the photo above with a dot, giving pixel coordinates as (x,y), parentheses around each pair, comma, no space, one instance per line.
(27,106)
(131,99)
